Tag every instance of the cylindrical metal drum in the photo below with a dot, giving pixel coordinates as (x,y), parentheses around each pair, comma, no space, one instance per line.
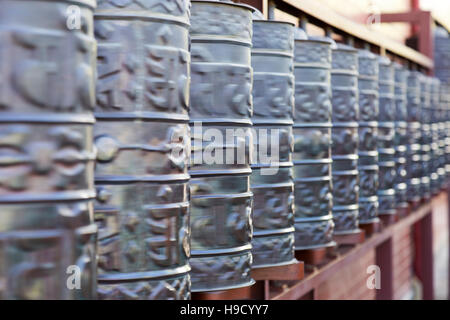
(368,135)
(271,180)
(434,125)
(345,102)
(442,54)
(312,143)
(143,147)
(47,81)
(446,118)
(443,104)
(414,164)
(221,107)
(386,138)
(401,136)
(426,137)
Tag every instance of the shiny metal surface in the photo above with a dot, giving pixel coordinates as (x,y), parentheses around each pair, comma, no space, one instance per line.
(414,165)
(221,99)
(401,135)
(345,102)
(47,234)
(143,149)
(442,133)
(386,137)
(273,97)
(426,137)
(368,135)
(312,142)
(436,173)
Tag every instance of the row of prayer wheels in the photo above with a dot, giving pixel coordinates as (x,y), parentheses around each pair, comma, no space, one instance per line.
(168,147)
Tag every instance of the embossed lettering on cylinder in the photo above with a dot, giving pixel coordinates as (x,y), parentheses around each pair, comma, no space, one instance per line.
(386,138)
(46,151)
(368,135)
(143,143)
(344,84)
(271,180)
(312,143)
(221,200)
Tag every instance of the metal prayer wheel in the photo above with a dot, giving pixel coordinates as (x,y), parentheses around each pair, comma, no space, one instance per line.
(221,108)
(47,234)
(414,164)
(442,54)
(344,84)
(368,134)
(143,149)
(443,104)
(312,143)
(401,136)
(435,182)
(386,138)
(271,180)
(445,99)
(426,137)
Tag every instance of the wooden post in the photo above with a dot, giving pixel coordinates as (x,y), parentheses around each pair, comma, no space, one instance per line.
(384,261)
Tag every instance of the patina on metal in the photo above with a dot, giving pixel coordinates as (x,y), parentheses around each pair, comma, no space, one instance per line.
(401,136)
(271,180)
(344,84)
(414,165)
(312,143)
(368,135)
(221,103)
(47,234)
(143,149)
(426,137)
(386,138)
(435,182)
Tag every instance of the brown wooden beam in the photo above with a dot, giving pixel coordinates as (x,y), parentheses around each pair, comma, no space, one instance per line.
(314,279)
(321,14)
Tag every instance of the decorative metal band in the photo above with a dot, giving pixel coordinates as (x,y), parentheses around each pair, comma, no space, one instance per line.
(221,200)
(314,233)
(176,288)
(273,96)
(368,211)
(386,137)
(312,142)
(46,153)
(368,136)
(143,149)
(344,83)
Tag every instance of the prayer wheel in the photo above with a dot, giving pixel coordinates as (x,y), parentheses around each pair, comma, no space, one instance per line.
(271,180)
(401,136)
(220,118)
(345,102)
(435,182)
(312,143)
(368,134)
(426,136)
(414,165)
(386,138)
(143,149)
(47,85)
